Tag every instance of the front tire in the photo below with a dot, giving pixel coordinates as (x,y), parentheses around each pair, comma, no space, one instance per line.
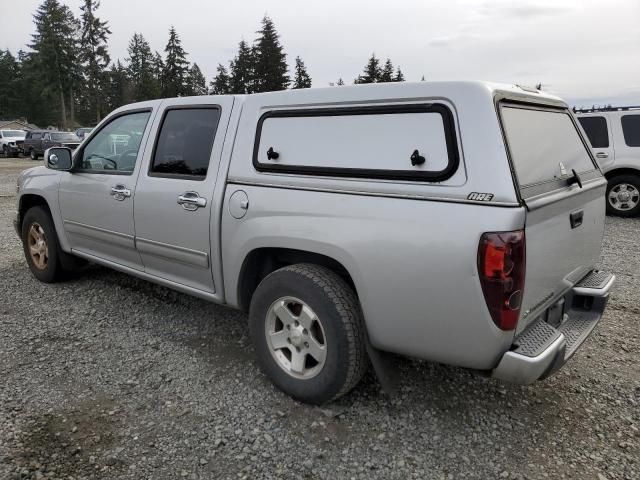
(308,332)
(47,262)
(33,155)
(623,195)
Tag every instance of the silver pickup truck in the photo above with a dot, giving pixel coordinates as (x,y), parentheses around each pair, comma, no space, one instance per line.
(456,222)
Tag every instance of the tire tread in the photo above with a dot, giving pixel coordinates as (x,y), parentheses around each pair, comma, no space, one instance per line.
(348,307)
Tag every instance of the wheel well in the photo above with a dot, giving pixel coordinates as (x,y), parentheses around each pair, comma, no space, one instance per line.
(263,261)
(621,171)
(28,201)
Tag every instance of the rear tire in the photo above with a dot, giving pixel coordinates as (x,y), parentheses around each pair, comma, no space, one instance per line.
(308,312)
(623,195)
(33,155)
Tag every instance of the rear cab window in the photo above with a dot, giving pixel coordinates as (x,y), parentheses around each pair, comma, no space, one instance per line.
(596,130)
(545,148)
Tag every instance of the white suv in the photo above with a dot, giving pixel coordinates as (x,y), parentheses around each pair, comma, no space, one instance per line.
(614,134)
(11,142)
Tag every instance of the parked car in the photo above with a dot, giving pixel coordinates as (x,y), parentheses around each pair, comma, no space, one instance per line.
(11,142)
(422,219)
(37,141)
(614,134)
(82,132)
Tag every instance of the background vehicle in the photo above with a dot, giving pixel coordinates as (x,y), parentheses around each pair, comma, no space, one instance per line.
(37,141)
(82,132)
(11,142)
(347,221)
(614,134)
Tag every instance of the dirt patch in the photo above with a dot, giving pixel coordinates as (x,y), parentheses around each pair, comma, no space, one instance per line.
(74,442)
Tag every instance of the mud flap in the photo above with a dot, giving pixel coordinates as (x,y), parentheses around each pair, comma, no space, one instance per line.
(385,368)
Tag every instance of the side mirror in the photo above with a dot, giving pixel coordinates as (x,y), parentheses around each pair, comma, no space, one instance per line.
(58,158)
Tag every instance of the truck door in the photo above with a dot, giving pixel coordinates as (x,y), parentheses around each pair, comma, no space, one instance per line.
(96,200)
(45,142)
(174,211)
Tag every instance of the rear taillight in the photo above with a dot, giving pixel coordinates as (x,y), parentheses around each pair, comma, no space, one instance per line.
(501,266)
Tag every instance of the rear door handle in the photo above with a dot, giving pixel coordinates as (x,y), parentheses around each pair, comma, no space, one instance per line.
(120,192)
(191,201)
(602,155)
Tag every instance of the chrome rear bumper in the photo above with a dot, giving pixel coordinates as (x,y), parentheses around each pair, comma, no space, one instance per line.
(542,349)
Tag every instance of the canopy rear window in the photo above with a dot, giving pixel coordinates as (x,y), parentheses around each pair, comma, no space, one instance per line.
(545,147)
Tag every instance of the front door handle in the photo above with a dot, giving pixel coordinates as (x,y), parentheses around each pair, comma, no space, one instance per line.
(120,192)
(191,201)
(602,155)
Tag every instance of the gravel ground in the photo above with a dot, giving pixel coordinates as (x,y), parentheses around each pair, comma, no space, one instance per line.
(107,376)
(9,170)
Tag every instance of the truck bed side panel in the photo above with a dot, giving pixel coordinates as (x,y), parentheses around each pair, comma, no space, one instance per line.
(414,267)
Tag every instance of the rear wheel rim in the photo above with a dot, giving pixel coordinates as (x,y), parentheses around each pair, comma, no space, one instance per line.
(295,338)
(623,197)
(37,245)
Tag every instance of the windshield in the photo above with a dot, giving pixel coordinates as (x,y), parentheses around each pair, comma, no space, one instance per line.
(544,144)
(64,137)
(13,133)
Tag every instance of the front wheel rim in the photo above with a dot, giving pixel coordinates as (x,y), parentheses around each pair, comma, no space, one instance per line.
(295,338)
(624,197)
(37,245)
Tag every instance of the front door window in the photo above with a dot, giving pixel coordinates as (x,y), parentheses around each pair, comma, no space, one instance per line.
(114,149)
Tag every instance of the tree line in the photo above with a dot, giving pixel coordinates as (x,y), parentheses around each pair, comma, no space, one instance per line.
(67,78)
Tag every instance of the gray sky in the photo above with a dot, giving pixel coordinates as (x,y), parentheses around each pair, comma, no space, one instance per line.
(584,50)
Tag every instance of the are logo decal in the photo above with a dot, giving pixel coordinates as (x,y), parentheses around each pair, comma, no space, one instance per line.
(480,197)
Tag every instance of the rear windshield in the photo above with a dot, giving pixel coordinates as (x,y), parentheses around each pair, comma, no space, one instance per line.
(544,144)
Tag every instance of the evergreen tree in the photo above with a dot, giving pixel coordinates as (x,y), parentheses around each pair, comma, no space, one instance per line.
(302,78)
(141,69)
(386,75)
(197,84)
(93,54)
(176,67)
(270,60)
(10,85)
(372,71)
(30,91)
(158,72)
(55,53)
(118,89)
(242,70)
(399,76)
(220,84)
